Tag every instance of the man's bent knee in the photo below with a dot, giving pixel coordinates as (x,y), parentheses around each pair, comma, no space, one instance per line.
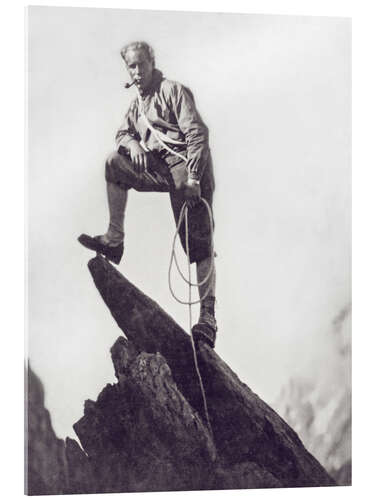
(111,165)
(118,170)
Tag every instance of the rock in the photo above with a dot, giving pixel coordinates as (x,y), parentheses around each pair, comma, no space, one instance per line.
(142,434)
(46,472)
(251,440)
(148,431)
(52,466)
(80,474)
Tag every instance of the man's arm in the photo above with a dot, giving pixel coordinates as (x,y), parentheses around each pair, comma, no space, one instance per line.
(127,131)
(127,137)
(193,128)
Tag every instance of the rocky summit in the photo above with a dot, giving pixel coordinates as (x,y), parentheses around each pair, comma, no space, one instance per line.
(148,432)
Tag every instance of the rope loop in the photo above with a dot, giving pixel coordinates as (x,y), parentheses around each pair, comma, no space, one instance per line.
(173,258)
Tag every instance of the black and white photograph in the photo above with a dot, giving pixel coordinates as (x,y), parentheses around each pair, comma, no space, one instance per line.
(188,285)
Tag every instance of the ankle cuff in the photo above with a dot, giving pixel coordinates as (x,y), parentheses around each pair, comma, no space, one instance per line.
(114,235)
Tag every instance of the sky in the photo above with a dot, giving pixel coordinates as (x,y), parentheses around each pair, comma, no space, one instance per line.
(275,94)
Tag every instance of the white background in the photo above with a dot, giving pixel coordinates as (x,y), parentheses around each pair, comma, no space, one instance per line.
(363,162)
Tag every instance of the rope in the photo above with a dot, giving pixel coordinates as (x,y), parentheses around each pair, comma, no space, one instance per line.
(159,133)
(184,213)
(156,133)
(173,257)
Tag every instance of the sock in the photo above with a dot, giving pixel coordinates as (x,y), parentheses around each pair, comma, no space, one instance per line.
(117,198)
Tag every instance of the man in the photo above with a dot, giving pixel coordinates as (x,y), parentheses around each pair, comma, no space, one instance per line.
(161,130)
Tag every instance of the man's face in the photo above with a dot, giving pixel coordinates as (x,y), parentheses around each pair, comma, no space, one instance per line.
(140,67)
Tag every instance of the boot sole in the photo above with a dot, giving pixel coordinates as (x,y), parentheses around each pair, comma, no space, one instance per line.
(114,254)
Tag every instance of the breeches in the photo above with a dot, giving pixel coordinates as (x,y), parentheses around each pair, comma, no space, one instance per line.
(159,177)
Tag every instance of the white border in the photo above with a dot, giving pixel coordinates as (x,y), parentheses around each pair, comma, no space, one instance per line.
(12,111)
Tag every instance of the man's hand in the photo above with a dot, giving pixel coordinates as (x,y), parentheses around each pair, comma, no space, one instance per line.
(192,192)
(139,157)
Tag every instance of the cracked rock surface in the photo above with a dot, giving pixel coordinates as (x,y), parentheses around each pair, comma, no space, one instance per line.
(148,432)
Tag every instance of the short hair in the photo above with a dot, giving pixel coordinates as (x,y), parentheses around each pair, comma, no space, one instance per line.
(139,46)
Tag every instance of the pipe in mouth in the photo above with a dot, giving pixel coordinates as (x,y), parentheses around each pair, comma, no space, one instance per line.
(128,85)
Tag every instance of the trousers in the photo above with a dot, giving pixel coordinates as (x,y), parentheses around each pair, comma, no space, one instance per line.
(168,175)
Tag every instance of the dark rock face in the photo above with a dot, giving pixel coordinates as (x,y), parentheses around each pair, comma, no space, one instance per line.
(141,434)
(80,474)
(45,453)
(148,432)
(157,404)
(52,466)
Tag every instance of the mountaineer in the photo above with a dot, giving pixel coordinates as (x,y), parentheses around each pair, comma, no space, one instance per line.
(162,146)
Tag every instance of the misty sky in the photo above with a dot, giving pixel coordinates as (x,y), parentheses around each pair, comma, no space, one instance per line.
(275,93)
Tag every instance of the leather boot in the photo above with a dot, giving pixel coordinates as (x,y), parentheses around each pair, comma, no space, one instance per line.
(206,327)
(97,243)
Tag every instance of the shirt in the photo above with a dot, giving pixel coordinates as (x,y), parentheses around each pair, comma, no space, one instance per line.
(170,108)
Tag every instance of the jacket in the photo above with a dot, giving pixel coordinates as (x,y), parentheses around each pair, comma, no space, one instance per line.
(170,108)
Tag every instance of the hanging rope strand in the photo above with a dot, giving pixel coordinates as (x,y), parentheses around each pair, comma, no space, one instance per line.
(185,212)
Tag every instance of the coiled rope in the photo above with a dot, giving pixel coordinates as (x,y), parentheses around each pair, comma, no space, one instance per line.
(173,258)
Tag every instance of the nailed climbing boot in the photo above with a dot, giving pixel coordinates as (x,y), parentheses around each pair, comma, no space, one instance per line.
(206,327)
(112,253)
